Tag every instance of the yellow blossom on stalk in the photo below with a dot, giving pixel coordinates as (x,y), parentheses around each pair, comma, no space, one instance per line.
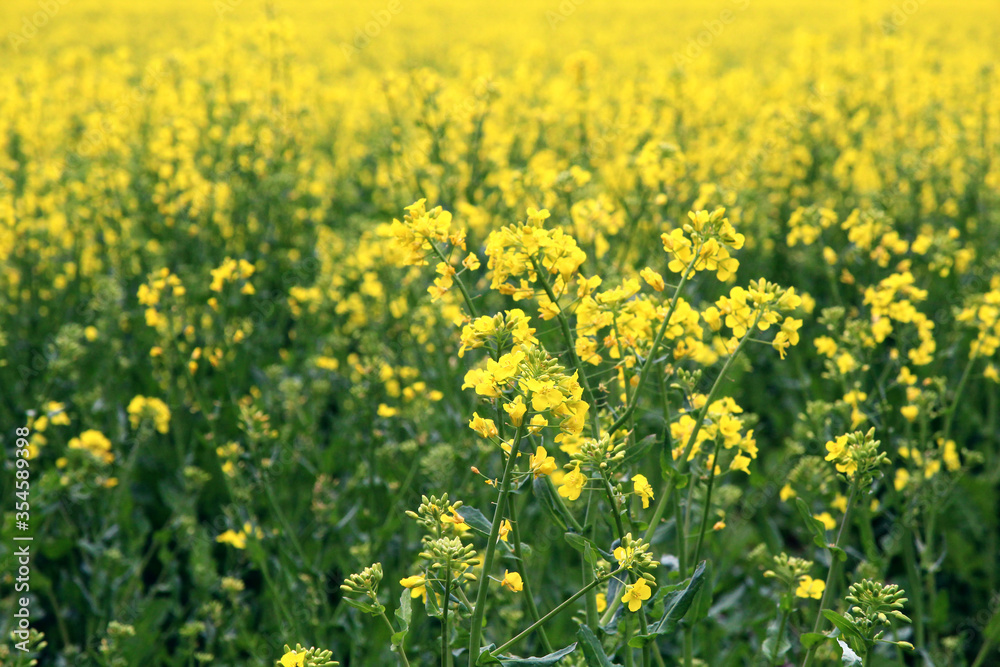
(653,279)
(455,520)
(486,428)
(417,586)
(412,238)
(540,463)
(141,408)
(233,538)
(95,443)
(810,588)
(516,410)
(572,483)
(505,529)
(837,451)
(512,581)
(642,488)
(827,520)
(293,659)
(636,593)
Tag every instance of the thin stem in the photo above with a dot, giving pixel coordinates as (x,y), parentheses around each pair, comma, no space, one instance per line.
(570,347)
(400,652)
(445,653)
(644,372)
(475,634)
(697,428)
(528,596)
(457,279)
(576,596)
(777,637)
(708,501)
(614,507)
(833,565)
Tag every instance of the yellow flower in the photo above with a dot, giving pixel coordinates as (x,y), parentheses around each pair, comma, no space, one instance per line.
(540,463)
(828,521)
(512,580)
(386,411)
(505,528)
(901,479)
(236,539)
(516,410)
(572,484)
(641,486)
(810,588)
(602,603)
(484,427)
(293,659)
(635,594)
(94,442)
(911,412)
(417,585)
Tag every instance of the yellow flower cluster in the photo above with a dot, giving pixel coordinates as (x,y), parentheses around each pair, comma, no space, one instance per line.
(142,408)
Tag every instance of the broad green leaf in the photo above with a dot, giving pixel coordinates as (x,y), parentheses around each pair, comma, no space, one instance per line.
(552,658)
(849,657)
(476,520)
(846,628)
(593,651)
(676,604)
(815,526)
(583,545)
(403,613)
(810,639)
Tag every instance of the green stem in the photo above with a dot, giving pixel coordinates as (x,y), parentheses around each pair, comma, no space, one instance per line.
(958,395)
(697,428)
(913,575)
(445,654)
(528,596)
(400,652)
(576,596)
(644,372)
(570,347)
(708,501)
(777,637)
(475,634)
(614,507)
(833,565)
(629,659)
(458,280)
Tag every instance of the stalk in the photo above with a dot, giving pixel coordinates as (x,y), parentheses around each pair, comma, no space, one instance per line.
(475,634)
(392,631)
(833,565)
(528,596)
(576,596)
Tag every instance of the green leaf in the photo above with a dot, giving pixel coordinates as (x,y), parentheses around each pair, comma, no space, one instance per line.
(676,604)
(363,606)
(403,613)
(552,658)
(767,648)
(546,495)
(593,652)
(849,657)
(638,449)
(815,526)
(587,547)
(846,628)
(810,639)
(476,520)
